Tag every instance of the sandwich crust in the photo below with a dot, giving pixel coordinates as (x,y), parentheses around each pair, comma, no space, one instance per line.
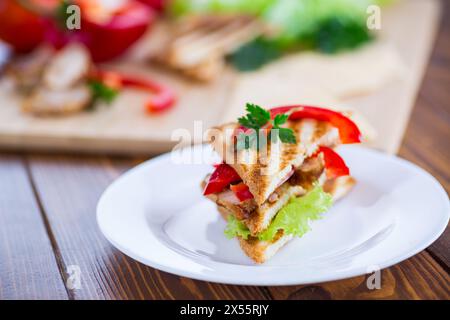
(266,170)
(260,251)
(258,218)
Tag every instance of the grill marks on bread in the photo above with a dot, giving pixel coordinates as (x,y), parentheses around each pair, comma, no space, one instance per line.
(263,171)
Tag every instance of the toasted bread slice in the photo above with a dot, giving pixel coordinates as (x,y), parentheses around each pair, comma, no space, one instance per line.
(257,218)
(265,170)
(260,251)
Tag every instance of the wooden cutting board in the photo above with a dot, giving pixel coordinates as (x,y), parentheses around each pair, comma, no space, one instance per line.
(379,81)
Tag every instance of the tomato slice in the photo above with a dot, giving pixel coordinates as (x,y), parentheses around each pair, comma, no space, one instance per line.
(334,164)
(241,191)
(20,27)
(221,178)
(348,130)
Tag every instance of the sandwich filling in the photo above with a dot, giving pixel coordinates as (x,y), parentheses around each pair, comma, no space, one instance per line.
(264,211)
(293,218)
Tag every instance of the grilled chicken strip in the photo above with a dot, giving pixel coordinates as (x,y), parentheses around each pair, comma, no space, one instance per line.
(67,68)
(44,101)
(198,44)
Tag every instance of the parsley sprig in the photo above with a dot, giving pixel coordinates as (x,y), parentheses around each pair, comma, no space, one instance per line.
(101,91)
(257,118)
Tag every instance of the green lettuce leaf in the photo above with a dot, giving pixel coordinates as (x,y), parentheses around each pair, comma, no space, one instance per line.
(254,54)
(236,228)
(327,26)
(254,7)
(293,218)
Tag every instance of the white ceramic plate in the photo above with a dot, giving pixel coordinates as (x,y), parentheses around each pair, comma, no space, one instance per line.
(157,215)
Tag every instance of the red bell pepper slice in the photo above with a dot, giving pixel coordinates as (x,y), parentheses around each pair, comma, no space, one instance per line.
(163,97)
(334,164)
(157,5)
(111,37)
(241,191)
(221,178)
(348,130)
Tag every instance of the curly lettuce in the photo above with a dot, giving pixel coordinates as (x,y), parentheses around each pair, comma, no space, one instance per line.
(236,228)
(254,7)
(293,218)
(327,26)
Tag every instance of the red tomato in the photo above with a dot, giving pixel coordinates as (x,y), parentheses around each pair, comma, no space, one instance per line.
(108,39)
(22,29)
(221,178)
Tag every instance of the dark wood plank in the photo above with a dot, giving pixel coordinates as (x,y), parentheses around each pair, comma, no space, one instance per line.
(419,277)
(427,138)
(69,188)
(426,143)
(28,267)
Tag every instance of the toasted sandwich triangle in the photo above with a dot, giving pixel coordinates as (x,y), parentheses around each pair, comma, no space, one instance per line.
(263,171)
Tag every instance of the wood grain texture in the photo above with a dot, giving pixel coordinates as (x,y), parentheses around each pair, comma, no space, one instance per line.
(28,268)
(427,139)
(419,277)
(69,188)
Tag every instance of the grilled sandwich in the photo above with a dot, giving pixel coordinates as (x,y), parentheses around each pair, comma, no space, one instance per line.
(268,192)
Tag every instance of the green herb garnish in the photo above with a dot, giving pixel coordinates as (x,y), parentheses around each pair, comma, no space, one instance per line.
(257,118)
(337,33)
(327,26)
(236,228)
(254,54)
(61,14)
(101,91)
(293,218)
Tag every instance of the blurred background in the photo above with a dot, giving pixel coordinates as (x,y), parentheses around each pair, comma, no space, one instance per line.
(91,88)
(119,76)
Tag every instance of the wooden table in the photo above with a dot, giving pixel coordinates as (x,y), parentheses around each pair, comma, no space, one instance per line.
(47,223)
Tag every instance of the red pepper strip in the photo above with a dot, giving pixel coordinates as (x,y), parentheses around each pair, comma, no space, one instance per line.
(221,178)
(241,191)
(163,99)
(334,164)
(348,130)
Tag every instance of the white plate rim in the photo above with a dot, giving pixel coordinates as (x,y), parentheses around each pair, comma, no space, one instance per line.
(218,278)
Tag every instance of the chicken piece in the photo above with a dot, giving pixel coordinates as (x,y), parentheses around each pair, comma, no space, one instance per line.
(26,71)
(44,101)
(198,44)
(67,68)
